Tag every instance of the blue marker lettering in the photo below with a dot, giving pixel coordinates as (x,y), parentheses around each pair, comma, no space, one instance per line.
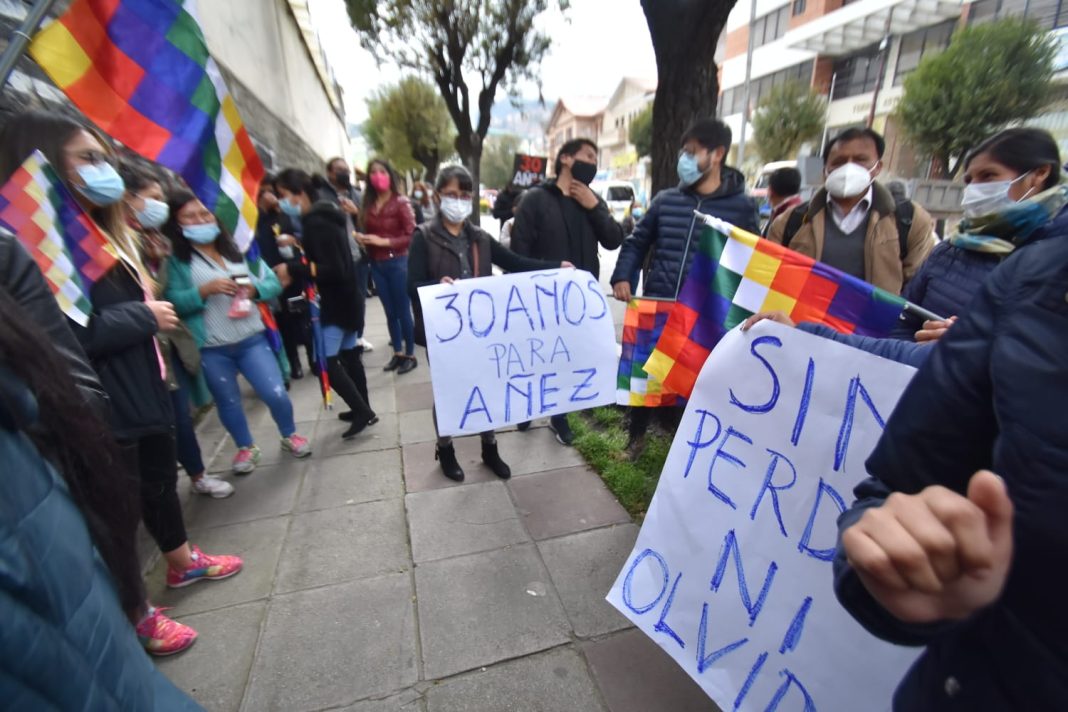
(720,452)
(528,394)
(793,634)
(568,288)
(514,359)
(515,296)
(468,410)
(536,345)
(481,333)
(803,545)
(499,350)
(806,397)
(546,391)
(559,347)
(698,444)
(791,679)
(590,373)
(705,661)
(450,306)
(750,679)
(594,287)
(555,313)
(765,407)
(628,596)
(841,449)
(661,624)
(774,489)
(730,548)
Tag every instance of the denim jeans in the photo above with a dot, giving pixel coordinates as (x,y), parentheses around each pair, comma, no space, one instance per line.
(253,359)
(336,340)
(391,279)
(184,434)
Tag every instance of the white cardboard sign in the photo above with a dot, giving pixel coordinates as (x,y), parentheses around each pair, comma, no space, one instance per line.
(731,573)
(510,348)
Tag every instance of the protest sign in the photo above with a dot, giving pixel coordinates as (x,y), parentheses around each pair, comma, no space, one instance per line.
(731,572)
(528,170)
(510,348)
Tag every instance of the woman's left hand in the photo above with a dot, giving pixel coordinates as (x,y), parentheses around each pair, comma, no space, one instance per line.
(447,280)
(566,265)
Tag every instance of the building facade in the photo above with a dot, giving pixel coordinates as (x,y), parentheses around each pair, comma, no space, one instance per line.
(858,53)
(578,117)
(618,155)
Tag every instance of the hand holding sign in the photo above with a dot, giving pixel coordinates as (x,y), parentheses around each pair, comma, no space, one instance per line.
(935,555)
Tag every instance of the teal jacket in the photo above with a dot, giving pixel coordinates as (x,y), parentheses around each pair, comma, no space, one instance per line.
(185,296)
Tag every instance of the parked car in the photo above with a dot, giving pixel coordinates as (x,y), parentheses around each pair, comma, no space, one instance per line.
(618,194)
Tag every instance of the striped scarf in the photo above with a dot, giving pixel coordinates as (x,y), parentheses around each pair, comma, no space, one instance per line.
(1000,233)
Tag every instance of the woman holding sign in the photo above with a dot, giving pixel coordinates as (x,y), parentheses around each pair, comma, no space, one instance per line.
(449,248)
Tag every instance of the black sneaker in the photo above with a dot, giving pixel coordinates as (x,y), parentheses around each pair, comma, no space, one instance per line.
(394,363)
(562,430)
(407,365)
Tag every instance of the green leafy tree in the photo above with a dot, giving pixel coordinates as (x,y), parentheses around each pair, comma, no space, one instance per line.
(684,36)
(498,159)
(788,116)
(492,43)
(408,123)
(641,131)
(991,75)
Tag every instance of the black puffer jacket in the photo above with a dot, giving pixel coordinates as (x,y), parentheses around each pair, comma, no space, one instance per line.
(990,396)
(326,244)
(546,229)
(267,241)
(669,230)
(120,345)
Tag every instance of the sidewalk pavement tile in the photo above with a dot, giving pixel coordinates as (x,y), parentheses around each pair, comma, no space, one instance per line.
(383,435)
(583,568)
(345,543)
(213,672)
(268,492)
(331,646)
(414,396)
(383,400)
(463,520)
(406,701)
(422,472)
(537,450)
(635,675)
(479,609)
(556,681)
(565,501)
(417,426)
(259,543)
(351,479)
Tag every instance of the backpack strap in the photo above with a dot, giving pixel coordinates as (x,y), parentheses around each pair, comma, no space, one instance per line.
(903,214)
(798,217)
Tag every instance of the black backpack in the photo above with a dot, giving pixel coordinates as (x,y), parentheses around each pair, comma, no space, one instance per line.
(903,213)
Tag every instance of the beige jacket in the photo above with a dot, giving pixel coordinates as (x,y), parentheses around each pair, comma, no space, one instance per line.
(883,265)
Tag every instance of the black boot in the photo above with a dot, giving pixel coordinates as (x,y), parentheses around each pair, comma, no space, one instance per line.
(344,387)
(493,460)
(353,363)
(446,454)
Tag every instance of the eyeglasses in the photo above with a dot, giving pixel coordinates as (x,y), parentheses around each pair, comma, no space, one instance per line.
(95,158)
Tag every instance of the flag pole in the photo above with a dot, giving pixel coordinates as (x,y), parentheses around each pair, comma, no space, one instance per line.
(21,37)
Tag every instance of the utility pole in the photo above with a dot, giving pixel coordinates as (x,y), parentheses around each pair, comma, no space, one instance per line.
(745,90)
(884,50)
(16,44)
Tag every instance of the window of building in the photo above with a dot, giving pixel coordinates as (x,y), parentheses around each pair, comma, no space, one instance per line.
(1049,14)
(919,44)
(856,73)
(798,8)
(770,27)
(732,100)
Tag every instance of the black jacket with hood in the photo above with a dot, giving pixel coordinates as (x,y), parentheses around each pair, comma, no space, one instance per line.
(326,239)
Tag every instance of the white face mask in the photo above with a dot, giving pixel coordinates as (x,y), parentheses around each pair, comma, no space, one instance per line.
(849,181)
(986,198)
(455,210)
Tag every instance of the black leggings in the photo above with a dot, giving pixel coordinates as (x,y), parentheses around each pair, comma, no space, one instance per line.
(154,460)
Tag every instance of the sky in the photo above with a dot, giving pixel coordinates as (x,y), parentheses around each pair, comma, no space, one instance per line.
(595,44)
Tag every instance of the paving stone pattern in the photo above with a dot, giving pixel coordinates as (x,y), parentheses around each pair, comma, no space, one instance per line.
(374,584)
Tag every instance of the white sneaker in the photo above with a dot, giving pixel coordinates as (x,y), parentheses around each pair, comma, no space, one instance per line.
(365,345)
(213,487)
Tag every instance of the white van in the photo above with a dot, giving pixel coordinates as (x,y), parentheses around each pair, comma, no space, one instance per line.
(619,195)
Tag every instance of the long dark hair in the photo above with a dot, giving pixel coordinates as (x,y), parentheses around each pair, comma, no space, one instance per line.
(224,243)
(371,195)
(79,444)
(1022,150)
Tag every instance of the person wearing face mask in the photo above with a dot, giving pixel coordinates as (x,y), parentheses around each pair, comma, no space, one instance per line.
(563,219)
(1012,198)
(329,264)
(387,222)
(216,292)
(146,212)
(449,248)
(853,223)
(665,238)
(120,342)
(341,190)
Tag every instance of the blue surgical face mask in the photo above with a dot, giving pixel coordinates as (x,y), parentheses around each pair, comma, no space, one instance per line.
(202,234)
(101,184)
(689,170)
(289,208)
(154,214)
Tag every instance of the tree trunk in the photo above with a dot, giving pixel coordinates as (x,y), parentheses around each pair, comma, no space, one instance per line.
(470,152)
(684,34)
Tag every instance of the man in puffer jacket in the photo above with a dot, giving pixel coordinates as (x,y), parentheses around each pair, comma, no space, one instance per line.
(669,228)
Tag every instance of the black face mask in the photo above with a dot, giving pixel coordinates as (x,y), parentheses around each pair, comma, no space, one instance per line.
(583,171)
(343,178)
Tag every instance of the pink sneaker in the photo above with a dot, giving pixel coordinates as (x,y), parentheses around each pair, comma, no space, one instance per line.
(297,445)
(161,635)
(204,567)
(245,460)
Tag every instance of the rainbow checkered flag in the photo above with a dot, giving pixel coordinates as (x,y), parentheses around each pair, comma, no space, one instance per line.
(66,244)
(736,274)
(643,323)
(140,70)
